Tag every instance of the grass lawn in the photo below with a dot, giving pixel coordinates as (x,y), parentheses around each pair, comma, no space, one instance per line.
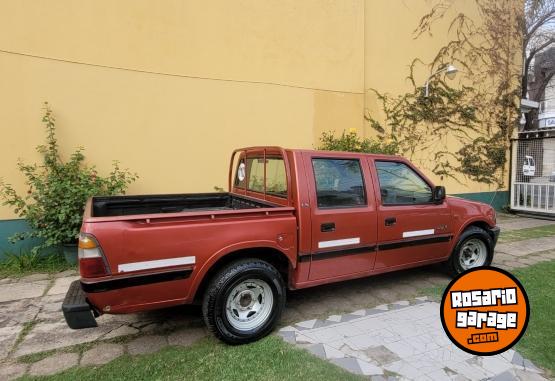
(538,343)
(17,265)
(267,359)
(521,234)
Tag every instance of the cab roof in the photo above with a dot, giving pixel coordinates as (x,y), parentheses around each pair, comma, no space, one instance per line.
(322,152)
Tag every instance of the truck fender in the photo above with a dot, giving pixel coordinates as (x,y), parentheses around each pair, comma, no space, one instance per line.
(477,221)
(208,264)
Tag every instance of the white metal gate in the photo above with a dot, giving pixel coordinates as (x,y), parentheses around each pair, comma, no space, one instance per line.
(533,172)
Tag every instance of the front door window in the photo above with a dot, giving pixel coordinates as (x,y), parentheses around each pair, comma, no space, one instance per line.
(400,185)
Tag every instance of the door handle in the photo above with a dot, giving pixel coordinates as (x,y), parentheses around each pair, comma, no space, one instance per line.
(327,227)
(390,221)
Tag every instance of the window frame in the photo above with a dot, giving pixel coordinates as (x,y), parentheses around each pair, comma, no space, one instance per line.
(431,202)
(236,175)
(248,175)
(364,205)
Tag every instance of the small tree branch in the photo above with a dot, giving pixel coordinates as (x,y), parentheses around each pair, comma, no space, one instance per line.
(538,49)
(532,29)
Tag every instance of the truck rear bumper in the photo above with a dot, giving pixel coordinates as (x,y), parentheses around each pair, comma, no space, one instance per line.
(77,312)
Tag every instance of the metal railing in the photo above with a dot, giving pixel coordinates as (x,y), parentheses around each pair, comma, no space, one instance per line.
(534,197)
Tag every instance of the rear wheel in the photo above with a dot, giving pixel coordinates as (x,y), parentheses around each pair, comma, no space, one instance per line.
(244,301)
(474,249)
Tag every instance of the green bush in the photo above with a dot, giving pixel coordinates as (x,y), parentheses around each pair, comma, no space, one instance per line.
(57,190)
(351,142)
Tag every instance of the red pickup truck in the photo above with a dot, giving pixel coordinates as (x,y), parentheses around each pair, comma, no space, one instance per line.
(291,219)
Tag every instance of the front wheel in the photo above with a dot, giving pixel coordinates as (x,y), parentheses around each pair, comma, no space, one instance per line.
(474,249)
(244,301)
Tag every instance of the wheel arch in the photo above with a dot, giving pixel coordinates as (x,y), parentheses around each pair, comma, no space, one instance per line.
(480,223)
(451,264)
(274,256)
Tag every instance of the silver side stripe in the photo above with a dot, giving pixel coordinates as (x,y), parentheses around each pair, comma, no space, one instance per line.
(418,233)
(338,242)
(136,266)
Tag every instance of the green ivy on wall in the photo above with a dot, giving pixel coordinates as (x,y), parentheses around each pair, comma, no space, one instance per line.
(477,117)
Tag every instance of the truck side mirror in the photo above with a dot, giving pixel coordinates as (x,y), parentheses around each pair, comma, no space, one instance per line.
(439,194)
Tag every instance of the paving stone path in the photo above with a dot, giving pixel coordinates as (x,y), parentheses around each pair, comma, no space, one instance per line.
(402,340)
(31,321)
(517,223)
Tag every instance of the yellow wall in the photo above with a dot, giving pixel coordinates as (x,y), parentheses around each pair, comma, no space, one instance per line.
(169,88)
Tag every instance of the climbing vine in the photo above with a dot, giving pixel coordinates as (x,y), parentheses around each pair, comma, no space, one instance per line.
(478,113)
(352,142)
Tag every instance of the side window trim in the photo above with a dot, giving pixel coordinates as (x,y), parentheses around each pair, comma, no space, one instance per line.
(365,192)
(431,202)
(248,169)
(237,181)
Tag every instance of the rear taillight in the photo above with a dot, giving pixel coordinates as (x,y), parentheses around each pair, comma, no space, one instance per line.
(91,262)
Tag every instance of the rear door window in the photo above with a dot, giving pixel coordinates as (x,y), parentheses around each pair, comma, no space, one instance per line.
(339,183)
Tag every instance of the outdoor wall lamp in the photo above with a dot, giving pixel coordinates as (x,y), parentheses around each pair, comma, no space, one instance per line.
(450,71)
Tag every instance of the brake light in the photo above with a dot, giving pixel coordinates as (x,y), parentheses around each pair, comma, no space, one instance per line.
(91,261)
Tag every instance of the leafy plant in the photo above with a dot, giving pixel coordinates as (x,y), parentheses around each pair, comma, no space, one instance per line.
(57,190)
(21,262)
(351,142)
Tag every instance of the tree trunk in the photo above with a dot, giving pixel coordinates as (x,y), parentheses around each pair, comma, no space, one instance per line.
(531,120)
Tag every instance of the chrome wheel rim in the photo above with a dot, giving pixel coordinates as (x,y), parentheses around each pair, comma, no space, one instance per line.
(249,304)
(473,254)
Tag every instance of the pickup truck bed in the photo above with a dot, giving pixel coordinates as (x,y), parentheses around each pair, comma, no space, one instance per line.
(171,203)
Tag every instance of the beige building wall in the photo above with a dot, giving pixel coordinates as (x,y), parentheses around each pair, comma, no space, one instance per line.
(170,88)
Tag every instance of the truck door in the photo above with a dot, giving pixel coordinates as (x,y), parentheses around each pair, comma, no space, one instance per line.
(411,227)
(343,216)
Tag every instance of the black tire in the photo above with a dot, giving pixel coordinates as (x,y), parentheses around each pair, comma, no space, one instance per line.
(224,282)
(453,264)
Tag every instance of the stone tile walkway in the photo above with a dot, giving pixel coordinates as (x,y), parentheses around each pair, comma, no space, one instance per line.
(31,321)
(516,223)
(33,305)
(402,340)
(526,247)
(23,290)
